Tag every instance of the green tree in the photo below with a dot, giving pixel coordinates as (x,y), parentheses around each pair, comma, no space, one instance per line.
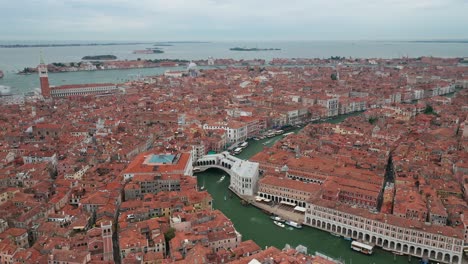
(334,77)
(170,234)
(372,120)
(429,110)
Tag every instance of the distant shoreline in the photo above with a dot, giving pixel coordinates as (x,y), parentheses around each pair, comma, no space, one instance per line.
(438,41)
(100,57)
(69,45)
(252,49)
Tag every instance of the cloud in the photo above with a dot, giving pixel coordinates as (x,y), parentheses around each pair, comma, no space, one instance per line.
(238,19)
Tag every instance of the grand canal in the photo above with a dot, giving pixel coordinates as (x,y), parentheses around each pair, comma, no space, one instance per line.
(253,224)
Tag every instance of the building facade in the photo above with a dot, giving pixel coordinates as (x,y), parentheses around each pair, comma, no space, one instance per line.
(388,232)
(83,89)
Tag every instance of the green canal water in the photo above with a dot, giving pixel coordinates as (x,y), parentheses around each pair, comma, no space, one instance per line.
(253,224)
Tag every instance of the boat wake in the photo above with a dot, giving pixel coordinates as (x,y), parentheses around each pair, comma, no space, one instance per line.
(255,220)
(221,179)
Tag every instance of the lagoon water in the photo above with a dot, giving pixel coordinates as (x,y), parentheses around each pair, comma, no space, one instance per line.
(13,60)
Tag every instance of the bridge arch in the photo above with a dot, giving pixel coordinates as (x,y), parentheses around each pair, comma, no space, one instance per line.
(209,167)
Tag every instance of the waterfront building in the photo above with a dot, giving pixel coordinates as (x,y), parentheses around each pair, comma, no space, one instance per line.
(211,229)
(245,178)
(329,102)
(83,89)
(281,189)
(390,232)
(237,131)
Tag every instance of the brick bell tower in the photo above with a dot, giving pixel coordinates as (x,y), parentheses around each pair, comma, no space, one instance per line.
(106,233)
(43,78)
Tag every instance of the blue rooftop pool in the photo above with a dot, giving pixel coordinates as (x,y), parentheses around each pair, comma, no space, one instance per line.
(161,159)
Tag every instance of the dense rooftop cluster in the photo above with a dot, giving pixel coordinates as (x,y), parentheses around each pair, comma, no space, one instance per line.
(97,179)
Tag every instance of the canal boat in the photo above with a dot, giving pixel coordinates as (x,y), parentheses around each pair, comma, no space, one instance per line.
(279,224)
(277,218)
(237,151)
(271,134)
(221,179)
(398,253)
(335,234)
(293,224)
(347,238)
(361,247)
(203,186)
(279,132)
(244,144)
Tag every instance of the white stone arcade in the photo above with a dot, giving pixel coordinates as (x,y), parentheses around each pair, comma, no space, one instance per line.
(243,173)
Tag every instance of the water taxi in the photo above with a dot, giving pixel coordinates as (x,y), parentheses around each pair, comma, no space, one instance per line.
(335,234)
(270,134)
(361,247)
(221,179)
(293,224)
(244,145)
(277,218)
(347,238)
(279,132)
(237,151)
(279,224)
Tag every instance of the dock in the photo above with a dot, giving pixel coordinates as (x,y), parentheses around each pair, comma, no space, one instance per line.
(275,209)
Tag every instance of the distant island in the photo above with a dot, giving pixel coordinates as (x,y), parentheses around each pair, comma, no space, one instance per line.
(192,42)
(439,41)
(162,45)
(251,49)
(100,57)
(148,51)
(67,45)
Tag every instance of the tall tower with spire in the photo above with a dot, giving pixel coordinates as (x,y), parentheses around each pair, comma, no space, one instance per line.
(43,78)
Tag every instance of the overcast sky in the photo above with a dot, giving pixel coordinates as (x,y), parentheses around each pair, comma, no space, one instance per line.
(159,20)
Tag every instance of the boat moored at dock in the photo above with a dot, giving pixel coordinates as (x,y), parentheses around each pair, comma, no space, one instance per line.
(293,224)
(244,144)
(362,247)
(279,224)
(277,218)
